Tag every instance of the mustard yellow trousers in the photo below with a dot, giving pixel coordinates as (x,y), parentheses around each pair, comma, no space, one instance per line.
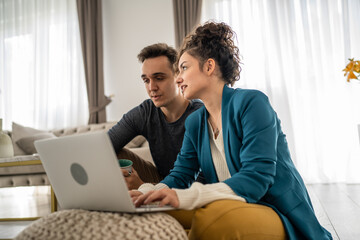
(223,219)
(231,219)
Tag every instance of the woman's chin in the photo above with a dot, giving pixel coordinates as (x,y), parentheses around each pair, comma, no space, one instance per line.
(187,96)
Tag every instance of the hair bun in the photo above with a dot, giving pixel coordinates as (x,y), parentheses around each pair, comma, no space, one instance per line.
(215,40)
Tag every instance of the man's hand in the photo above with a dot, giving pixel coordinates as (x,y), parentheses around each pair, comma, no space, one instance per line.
(133,180)
(164,196)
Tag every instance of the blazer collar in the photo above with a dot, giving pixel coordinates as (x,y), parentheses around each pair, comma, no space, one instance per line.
(226,97)
(206,157)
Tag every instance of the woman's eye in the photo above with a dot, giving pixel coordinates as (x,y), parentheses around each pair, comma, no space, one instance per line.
(184,68)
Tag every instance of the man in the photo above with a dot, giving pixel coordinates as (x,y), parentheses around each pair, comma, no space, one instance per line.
(159,119)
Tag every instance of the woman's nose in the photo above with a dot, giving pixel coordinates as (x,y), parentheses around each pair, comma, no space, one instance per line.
(179,79)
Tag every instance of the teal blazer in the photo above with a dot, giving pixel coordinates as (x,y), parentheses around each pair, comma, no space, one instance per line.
(258,159)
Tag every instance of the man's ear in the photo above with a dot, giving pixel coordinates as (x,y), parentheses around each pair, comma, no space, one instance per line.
(209,66)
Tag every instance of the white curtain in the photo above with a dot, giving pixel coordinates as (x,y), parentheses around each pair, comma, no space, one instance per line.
(295,51)
(42,81)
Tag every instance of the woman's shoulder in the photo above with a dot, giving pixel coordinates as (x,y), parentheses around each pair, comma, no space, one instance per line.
(195,117)
(243,96)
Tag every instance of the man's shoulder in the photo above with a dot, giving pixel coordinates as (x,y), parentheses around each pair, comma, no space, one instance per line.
(146,107)
(147,103)
(193,107)
(140,112)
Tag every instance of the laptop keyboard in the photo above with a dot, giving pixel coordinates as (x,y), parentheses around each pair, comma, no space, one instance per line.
(155,205)
(150,205)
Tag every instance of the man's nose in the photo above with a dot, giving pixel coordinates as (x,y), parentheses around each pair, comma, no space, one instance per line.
(152,85)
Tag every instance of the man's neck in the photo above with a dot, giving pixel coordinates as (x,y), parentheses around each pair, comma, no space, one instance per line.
(175,109)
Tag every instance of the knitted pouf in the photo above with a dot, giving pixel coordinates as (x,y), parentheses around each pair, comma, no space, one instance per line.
(82,224)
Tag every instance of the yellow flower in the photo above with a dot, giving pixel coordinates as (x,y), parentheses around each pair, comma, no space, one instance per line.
(353,66)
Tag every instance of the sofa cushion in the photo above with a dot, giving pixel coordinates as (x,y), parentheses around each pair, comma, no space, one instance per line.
(18,132)
(23,144)
(83,129)
(27,143)
(136,142)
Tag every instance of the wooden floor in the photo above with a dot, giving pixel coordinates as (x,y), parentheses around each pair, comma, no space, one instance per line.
(337,207)
(22,203)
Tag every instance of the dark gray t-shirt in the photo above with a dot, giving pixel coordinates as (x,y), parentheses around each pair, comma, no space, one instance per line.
(165,139)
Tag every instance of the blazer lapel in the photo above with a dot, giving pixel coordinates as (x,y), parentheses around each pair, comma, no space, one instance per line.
(227,93)
(206,161)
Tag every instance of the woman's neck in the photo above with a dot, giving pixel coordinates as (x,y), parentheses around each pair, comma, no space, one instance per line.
(212,101)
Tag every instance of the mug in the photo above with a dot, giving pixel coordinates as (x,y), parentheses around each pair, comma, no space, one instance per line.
(126,164)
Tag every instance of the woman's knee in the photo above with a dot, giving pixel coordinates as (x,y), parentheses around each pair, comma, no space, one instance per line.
(229,219)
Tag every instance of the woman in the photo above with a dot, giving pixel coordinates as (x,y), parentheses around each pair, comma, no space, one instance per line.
(237,141)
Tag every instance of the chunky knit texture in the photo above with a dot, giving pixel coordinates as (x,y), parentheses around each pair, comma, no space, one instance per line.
(82,224)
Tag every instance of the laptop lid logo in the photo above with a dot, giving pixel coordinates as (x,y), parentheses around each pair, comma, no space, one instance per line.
(79,174)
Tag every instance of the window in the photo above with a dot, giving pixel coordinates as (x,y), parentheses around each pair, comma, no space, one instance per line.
(295,51)
(42,81)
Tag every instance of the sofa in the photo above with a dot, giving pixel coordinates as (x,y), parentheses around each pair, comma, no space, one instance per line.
(25,169)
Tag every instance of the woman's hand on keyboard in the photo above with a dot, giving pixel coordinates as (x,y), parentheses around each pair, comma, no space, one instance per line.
(134,194)
(164,196)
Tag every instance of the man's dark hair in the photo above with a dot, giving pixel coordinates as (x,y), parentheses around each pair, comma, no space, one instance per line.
(158,50)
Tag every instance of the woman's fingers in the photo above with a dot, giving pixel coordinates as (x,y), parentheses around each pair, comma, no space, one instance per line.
(140,200)
(134,194)
(170,199)
(155,196)
(164,196)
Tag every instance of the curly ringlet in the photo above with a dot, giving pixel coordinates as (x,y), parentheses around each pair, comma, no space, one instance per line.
(215,40)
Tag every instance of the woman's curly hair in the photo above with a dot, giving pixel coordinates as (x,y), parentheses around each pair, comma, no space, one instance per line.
(215,40)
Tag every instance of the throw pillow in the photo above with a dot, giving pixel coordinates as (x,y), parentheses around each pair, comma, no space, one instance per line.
(18,132)
(27,143)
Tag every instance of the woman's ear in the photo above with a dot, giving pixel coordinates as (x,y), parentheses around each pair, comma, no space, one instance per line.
(209,66)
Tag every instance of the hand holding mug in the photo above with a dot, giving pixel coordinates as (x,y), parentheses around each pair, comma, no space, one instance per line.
(132,178)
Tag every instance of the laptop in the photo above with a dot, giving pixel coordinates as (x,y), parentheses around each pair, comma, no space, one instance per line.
(84,172)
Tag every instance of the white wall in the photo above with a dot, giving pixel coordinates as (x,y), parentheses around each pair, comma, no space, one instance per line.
(129,26)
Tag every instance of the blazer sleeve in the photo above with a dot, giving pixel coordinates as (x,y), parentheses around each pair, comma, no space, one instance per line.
(257,123)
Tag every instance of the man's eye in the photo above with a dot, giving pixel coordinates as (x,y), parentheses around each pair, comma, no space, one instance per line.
(159,78)
(146,80)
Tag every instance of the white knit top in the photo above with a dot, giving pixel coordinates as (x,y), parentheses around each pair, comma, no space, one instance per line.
(199,194)
(218,155)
